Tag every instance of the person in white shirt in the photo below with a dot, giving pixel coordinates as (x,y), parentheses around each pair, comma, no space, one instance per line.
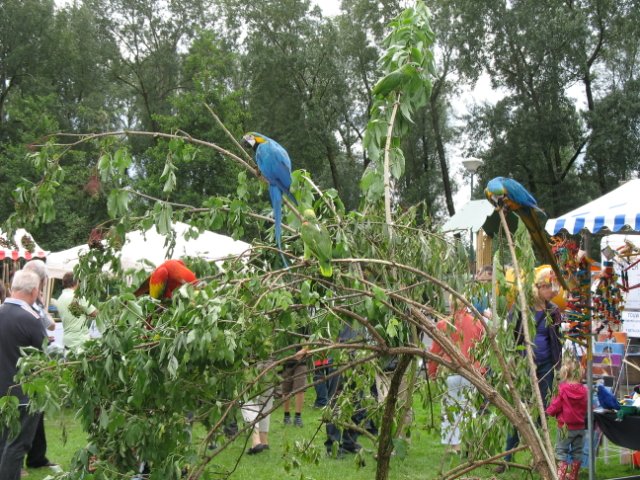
(75,313)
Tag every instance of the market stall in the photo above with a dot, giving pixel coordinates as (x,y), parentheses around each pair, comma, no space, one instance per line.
(616,211)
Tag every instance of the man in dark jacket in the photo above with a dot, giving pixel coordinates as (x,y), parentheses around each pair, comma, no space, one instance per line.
(37,455)
(20,327)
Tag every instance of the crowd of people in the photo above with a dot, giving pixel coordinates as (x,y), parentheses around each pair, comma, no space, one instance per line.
(24,322)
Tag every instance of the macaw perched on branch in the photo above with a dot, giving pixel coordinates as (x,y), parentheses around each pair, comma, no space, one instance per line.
(317,241)
(508,193)
(274,163)
(165,279)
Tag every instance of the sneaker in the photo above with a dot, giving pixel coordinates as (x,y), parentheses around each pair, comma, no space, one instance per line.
(298,422)
(287,420)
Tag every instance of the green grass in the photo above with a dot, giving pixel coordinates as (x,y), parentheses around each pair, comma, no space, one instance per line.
(425,460)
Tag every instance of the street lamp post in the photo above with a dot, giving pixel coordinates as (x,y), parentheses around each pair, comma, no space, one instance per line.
(472,165)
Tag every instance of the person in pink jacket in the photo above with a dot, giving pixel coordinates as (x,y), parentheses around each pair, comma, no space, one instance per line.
(570,408)
(465,331)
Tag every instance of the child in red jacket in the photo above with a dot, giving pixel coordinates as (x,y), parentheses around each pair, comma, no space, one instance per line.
(570,409)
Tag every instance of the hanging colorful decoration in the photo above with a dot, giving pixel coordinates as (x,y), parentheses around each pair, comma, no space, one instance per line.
(576,266)
(607,300)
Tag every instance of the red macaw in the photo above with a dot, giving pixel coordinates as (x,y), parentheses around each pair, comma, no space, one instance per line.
(165,279)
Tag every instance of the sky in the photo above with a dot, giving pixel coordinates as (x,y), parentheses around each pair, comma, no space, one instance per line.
(329,8)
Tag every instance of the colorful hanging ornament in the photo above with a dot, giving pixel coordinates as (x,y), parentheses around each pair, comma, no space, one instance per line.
(607,300)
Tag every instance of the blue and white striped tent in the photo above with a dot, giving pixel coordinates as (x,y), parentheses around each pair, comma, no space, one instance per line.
(613,211)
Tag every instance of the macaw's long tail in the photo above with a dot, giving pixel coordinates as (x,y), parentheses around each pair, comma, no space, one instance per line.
(276,202)
(539,241)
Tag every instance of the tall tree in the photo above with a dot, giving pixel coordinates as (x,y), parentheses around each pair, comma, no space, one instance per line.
(25,29)
(150,36)
(55,79)
(536,53)
(297,87)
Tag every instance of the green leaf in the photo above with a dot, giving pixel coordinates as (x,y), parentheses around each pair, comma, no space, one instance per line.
(117,202)
(392,328)
(172,367)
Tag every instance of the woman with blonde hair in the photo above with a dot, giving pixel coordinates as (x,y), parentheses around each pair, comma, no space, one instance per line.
(547,346)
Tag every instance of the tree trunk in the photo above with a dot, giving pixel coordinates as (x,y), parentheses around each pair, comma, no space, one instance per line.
(385,444)
(335,176)
(446,183)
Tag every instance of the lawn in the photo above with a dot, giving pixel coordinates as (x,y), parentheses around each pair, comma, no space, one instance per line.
(425,459)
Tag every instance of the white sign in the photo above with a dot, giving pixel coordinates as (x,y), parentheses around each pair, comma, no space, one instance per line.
(631,322)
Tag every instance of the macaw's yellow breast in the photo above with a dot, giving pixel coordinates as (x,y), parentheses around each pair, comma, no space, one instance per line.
(158,282)
(156,290)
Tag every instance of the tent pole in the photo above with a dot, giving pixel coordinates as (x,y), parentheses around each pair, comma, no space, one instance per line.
(592,460)
(586,243)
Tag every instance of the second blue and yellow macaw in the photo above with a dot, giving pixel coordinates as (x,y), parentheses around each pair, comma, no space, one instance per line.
(274,163)
(508,193)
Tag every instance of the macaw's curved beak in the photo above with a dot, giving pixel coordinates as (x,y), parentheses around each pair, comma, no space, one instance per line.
(249,140)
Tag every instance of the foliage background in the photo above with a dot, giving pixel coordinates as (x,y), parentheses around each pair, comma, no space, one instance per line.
(156,69)
(563,121)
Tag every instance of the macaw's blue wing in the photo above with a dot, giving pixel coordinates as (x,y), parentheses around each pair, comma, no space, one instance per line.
(607,399)
(509,192)
(275,164)
(518,194)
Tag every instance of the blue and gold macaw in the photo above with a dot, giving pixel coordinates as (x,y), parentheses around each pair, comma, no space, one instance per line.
(508,193)
(274,163)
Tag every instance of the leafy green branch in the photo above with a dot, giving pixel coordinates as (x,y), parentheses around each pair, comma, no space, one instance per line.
(407,65)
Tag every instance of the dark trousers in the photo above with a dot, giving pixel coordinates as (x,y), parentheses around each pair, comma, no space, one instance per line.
(37,456)
(347,439)
(326,388)
(545,374)
(13,450)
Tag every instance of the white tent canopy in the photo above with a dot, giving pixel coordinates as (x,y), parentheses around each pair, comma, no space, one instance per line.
(471,216)
(143,248)
(615,210)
